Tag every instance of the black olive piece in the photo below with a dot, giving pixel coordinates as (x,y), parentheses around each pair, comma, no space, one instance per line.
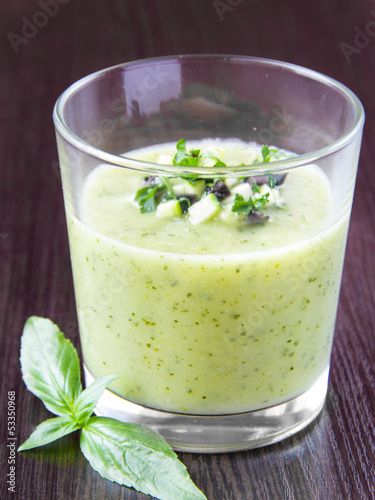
(263,179)
(220,190)
(191,197)
(279,179)
(184,204)
(257,179)
(150,181)
(255,217)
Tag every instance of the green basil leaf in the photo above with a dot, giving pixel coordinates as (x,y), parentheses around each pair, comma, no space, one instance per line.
(88,399)
(136,456)
(50,366)
(48,431)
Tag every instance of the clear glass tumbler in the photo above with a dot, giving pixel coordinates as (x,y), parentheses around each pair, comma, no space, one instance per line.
(218,322)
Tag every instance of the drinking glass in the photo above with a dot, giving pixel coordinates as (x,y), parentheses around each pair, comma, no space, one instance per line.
(219,342)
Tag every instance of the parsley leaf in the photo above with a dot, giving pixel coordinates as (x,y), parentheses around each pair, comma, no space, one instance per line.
(149,197)
(271,181)
(168,185)
(255,188)
(194,158)
(268,154)
(242,206)
(183,158)
(146,198)
(208,159)
(190,178)
(129,454)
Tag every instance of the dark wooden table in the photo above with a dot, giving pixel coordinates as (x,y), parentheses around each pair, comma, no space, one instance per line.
(47,45)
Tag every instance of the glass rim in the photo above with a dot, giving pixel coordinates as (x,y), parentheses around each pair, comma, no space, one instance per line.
(275,166)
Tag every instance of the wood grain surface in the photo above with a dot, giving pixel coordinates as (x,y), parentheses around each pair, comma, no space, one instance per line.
(40,55)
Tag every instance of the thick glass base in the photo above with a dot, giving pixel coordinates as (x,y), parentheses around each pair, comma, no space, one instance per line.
(220,433)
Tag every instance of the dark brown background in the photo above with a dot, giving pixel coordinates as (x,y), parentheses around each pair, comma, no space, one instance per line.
(334,457)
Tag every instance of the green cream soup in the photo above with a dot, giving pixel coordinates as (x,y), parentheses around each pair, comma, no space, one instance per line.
(213,316)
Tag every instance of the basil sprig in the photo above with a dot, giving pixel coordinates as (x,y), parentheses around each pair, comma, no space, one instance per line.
(129,454)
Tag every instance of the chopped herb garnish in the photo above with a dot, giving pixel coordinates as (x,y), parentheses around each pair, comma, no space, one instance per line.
(271,181)
(212,182)
(193,158)
(190,178)
(245,207)
(168,185)
(217,161)
(255,188)
(190,190)
(146,198)
(183,158)
(268,154)
(147,195)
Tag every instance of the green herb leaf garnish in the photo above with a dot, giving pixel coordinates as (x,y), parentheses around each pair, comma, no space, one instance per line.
(149,197)
(255,188)
(214,161)
(87,400)
(271,181)
(129,454)
(136,456)
(169,188)
(183,158)
(146,198)
(50,366)
(161,189)
(193,158)
(190,178)
(242,206)
(268,154)
(48,431)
